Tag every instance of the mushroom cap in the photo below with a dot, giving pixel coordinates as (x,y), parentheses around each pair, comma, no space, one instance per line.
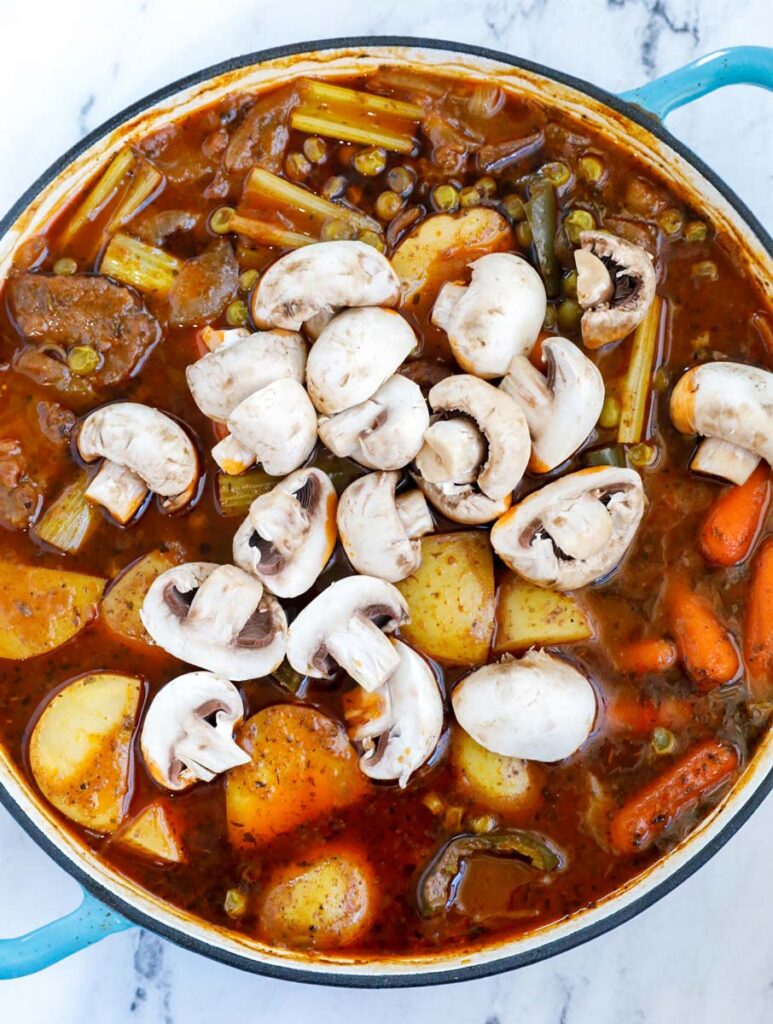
(222,379)
(179,745)
(372,531)
(462,503)
(634,280)
(216,617)
(385,431)
(354,355)
(498,316)
(289,534)
(146,441)
(729,401)
(562,407)
(539,707)
(345,625)
(502,422)
(403,736)
(278,424)
(574,530)
(321,278)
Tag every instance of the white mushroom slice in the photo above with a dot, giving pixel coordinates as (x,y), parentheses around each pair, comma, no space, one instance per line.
(117,489)
(562,407)
(498,316)
(453,452)
(732,402)
(345,626)
(276,426)
(720,458)
(187,735)
(404,731)
(463,503)
(375,535)
(152,446)
(322,278)
(224,378)
(501,421)
(539,708)
(289,534)
(574,530)
(216,617)
(610,316)
(354,355)
(384,432)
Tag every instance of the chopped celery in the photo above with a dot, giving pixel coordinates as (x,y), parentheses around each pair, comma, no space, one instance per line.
(287,677)
(637,380)
(100,194)
(338,96)
(133,262)
(146,182)
(316,121)
(235,494)
(227,219)
(69,521)
(341,471)
(263,185)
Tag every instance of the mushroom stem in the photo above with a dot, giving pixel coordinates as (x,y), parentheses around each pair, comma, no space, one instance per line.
(594,282)
(446,302)
(233,458)
(341,433)
(413,510)
(453,452)
(207,750)
(223,603)
(721,458)
(363,652)
(280,518)
(118,489)
(528,387)
(580,528)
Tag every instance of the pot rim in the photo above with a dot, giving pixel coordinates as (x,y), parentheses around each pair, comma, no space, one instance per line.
(332,975)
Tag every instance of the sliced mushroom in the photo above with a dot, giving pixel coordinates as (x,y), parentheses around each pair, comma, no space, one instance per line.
(574,530)
(289,534)
(188,731)
(383,432)
(345,626)
(719,458)
(615,294)
(144,450)
(538,707)
(398,725)
(562,407)
(453,451)
(496,317)
(222,379)
(354,355)
(463,503)
(379,530)
(276,426)
(322,278)
(216,617)
(730,402)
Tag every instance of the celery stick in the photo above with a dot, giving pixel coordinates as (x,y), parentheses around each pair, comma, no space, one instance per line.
(637,380)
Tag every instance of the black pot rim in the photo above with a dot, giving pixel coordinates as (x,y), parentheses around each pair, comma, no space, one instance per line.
(331,977)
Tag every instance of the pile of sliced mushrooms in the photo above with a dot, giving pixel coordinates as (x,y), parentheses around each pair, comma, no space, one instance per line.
(465,448)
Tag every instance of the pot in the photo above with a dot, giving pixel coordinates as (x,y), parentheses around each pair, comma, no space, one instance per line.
(112,903)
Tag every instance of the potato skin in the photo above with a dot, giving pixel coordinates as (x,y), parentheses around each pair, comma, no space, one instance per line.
(528,616)
(451,598)
(506,784)
(121,605)
(81,748)
(325,901)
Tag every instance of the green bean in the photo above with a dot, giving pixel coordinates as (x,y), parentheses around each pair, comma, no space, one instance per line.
(542,215)
(611,456)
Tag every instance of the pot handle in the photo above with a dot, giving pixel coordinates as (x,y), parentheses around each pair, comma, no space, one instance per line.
(52,942)
(739,65)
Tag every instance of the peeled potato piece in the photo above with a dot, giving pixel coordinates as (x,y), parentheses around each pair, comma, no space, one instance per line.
(152,834)
(80,748)
(451,598)
(291,746)
(121,604)
(324,901)
(500,783)
(528,615)
(41,609)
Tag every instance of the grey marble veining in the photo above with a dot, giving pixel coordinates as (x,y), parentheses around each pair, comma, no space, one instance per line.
(704,953)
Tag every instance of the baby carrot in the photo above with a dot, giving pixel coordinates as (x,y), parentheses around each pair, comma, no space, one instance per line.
(627,714)
(735,518)
(706,648)
(654,807)
(758,627)
(653,654)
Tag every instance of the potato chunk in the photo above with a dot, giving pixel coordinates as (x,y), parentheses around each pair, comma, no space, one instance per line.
(41,609)
(528,615)
(451,598)
(121,604)
(325,901)
(501,783)
(302,766)
(81,748)
(152,834)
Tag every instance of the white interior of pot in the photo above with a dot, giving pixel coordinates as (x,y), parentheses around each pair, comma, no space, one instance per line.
(619,130)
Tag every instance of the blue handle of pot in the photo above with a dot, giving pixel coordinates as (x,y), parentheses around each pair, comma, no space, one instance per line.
(739,65)
(52,942)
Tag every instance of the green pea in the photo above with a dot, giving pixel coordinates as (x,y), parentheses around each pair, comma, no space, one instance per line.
(610,413)
(220,221)
(334,187)
(671,221)
(65,265)
(235,903)
(469,196)
(372,238)
(315,150)
(695,231)
(236,315)
(248,279)
(388,205)
(445,198)
(83,360)
(514,208)
(705,269)
(297,166)
(523,235)
(663,740)
(401,180)
(569,315)
(556,172)
(486,186)
(577,221)
(336,230)
(551,319)
(370,161)
(569,284)
(591,168)
(642,455)
(662,379)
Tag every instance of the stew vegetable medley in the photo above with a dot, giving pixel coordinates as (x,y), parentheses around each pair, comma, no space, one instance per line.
(384,475)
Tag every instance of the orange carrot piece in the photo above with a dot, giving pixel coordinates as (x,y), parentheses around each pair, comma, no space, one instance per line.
(758,627)
(735,518)
(627,714)
(650,811)
(653,654)
(706,648)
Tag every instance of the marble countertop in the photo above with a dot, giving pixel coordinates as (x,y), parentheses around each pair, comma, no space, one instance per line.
(705,952)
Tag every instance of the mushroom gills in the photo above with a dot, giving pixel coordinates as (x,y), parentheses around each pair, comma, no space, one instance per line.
(453,452)
(615,286)
(118,489)
(715,457)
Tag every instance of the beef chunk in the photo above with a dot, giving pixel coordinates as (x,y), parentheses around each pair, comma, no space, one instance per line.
(204,286)
(20,495)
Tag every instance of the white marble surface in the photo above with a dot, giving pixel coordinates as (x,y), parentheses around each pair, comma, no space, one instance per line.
(705,953)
